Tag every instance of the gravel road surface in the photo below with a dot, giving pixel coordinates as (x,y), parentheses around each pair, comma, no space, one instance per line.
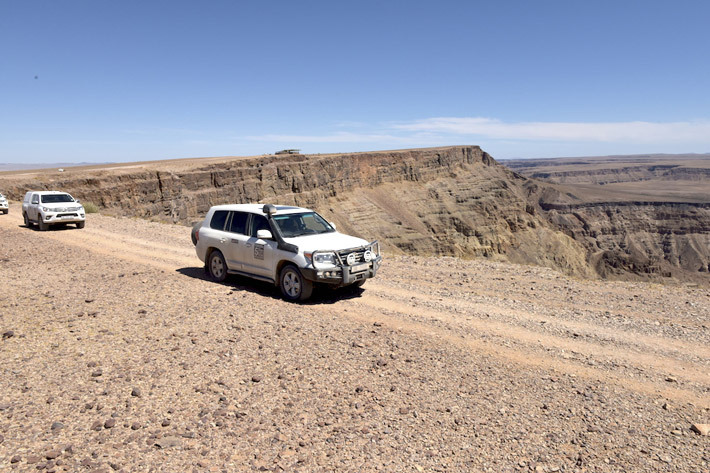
(117,354)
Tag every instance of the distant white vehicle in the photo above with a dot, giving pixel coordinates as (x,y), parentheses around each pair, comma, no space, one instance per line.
(291,247)
(46,208)
(4,206)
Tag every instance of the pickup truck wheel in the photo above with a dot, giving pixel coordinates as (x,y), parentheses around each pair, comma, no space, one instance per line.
(28,224)
(42,226)
(360,283)
(80,224)
(294,286)
(217,266)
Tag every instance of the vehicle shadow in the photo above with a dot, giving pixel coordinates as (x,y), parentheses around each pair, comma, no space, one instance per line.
(52,228)
(321,294)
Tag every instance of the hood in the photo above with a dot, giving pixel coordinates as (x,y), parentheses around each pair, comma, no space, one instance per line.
(326,241)
(62,206)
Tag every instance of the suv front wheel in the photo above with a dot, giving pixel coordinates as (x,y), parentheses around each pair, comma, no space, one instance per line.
(294,286)
(216,266)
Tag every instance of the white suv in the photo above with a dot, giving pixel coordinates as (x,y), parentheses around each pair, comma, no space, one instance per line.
(4,207)
(291,247)
(47,208)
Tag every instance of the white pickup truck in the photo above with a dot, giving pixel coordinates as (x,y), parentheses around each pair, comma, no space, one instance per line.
(47,208)
(291,247)
(4,207)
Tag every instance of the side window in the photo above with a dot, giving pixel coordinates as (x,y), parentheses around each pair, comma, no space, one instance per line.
(218,219)
(35,199)
(258,222)
(239,223)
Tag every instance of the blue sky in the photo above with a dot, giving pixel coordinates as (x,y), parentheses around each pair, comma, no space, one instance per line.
(101,80)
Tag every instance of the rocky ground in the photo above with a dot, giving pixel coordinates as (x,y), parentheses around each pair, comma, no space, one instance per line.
(118,354)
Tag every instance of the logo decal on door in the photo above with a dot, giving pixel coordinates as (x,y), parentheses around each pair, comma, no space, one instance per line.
(259,252)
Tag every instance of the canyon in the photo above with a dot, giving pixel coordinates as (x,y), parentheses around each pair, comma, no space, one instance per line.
(588,221)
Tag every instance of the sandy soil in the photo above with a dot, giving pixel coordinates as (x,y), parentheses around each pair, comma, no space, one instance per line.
(117,354)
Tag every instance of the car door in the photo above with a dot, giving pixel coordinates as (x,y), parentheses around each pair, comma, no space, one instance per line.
(259,254)
(33,210)
(217,236)
(235,247)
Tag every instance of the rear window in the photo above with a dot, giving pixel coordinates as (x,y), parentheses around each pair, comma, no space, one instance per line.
(56,198)
(239,223)
(218,219)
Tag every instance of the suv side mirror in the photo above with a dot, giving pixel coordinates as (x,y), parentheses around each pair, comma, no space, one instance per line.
(264,235)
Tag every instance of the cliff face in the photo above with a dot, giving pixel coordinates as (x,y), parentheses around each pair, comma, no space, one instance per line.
(455,201)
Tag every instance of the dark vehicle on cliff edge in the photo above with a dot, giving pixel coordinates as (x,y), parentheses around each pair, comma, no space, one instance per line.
(291,247)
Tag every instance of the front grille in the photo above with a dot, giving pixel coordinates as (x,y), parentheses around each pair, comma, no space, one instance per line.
(359,254)
(67,215)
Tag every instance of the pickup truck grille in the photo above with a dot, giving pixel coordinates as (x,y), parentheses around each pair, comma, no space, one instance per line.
(67,215)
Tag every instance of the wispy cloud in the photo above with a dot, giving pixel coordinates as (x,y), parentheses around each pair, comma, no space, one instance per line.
(637,131)
(340,137)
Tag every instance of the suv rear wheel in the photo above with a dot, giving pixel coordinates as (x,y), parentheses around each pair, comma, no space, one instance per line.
(28,224)
(294,286)
(216,266)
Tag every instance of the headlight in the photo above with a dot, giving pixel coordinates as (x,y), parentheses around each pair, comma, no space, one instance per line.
(323,259)
(45,209)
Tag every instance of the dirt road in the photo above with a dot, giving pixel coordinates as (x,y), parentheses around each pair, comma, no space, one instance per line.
(118,354)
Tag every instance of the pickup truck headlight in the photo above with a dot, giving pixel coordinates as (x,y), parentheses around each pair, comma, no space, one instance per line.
(45,209)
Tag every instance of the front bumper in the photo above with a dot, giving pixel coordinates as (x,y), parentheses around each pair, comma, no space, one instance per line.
(4,206)
(63,217)
(343,275)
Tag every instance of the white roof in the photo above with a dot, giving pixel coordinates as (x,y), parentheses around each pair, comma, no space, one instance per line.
(259,208)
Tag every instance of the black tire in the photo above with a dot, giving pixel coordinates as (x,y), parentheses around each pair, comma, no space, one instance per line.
(80,224)
(294,286)
(43,227)
(195,227)
(28,224)
(360,283)
(217,266)
(5,211)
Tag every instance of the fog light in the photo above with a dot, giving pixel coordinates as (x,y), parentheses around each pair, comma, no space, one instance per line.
(368,256)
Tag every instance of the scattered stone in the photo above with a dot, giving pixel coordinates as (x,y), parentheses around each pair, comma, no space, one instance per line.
(110,423)
(57,426)
(702,429)
(136,392)
(671,379)
(92,364)
(167,442)
(135,426)
(97,373)
(8,334)
(666,406)
(165,423)
(97,425)
(404,410)
(32,459)
(88,301)
(15,459)
(52,454)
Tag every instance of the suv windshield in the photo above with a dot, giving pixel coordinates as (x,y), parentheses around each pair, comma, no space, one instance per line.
(294,225)
(56,198)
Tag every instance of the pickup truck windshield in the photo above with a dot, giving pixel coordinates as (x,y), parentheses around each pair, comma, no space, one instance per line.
(56,198)
(295,225)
